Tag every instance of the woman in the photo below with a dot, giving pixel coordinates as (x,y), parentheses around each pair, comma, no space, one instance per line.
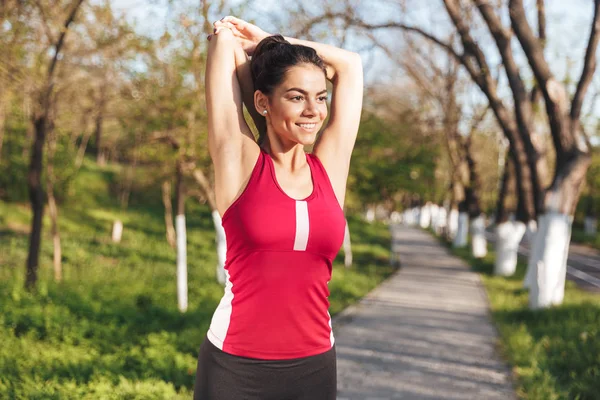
(271,336)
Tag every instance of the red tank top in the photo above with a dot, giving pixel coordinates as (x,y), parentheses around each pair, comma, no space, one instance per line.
(278,265)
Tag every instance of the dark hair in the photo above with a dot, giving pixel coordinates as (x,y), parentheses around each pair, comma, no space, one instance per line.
(273,57)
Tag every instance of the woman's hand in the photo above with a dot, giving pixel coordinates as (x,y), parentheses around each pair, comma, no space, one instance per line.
(247,34)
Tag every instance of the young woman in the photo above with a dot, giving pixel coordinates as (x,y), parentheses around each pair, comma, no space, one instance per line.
(271,336)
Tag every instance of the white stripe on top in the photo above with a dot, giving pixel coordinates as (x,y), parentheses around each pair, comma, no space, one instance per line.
(302,227)
(222,316)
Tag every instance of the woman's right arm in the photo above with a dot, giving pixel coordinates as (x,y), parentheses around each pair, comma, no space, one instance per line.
(244,74)
(231,144)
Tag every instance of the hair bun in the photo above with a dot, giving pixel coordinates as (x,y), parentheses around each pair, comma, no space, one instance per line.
(270,43)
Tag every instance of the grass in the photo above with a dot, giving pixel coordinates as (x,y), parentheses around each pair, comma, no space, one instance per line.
(579,236)
(554,353)
(111,329)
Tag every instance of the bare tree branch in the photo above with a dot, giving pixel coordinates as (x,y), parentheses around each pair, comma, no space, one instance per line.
(589,66)
(45,22)
(533,49)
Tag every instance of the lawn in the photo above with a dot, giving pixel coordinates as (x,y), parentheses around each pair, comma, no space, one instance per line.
(111,329)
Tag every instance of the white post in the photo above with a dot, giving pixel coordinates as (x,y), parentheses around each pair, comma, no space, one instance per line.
(347,247)
(548,285)
(182,288)
(478,240)
(117,231)
(221,247)
(508,237)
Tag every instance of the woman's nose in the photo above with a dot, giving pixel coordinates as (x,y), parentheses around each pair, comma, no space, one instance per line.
(311,108)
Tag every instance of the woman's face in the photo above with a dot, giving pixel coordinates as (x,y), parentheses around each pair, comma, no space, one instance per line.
(298,106)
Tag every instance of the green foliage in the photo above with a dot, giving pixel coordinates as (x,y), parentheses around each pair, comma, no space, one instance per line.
(112,329)
(13,166)
(389,160)
(555,353)
(589,203)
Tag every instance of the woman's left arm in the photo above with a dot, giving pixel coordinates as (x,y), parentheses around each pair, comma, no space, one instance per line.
(336,142)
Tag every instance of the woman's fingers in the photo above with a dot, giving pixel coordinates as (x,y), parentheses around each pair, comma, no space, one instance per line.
(220,25)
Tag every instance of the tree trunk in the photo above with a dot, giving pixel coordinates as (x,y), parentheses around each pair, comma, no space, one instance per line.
(472,197)
(100,154)
(452,224)
(461,238)
(425,216)
(547,267)
(36,192)
(53,207)
(81,150)
(508,233)
(3,112)
(36,197)
(170,230)
(182,286)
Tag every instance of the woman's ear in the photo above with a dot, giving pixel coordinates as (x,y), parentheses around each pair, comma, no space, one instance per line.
(261,102)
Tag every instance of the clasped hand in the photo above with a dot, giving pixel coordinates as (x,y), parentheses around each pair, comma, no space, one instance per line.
(247,34)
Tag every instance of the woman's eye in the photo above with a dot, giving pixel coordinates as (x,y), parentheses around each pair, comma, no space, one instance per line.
(323,98)
(297,98)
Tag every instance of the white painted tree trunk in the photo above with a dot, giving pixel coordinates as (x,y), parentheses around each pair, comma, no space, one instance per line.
(478,240)
(452,223)
(590,225)
(530,231)
(553,238)
(460,240)
(508,237)
(370,215)
(442,220)
(435,210)
(395,217)
(425,216)
(117,231)
(182,287)
(221,248)
(347,247)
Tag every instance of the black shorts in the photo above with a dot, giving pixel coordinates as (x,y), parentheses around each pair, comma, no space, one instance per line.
(223,376)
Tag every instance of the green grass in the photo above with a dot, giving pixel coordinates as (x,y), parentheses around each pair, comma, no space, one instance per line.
(579,236)
(111,329)
(554,353)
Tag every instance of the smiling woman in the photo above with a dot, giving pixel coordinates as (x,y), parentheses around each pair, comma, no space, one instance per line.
(271,335)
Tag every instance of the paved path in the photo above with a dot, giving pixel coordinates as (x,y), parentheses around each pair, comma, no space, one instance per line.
(425,333)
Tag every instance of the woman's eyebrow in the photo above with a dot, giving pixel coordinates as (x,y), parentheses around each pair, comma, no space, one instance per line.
(304,91)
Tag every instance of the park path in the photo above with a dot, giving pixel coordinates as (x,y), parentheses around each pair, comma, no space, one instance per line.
(425,333)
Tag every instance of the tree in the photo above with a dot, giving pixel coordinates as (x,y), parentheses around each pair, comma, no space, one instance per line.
(40,122)
(573,158)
